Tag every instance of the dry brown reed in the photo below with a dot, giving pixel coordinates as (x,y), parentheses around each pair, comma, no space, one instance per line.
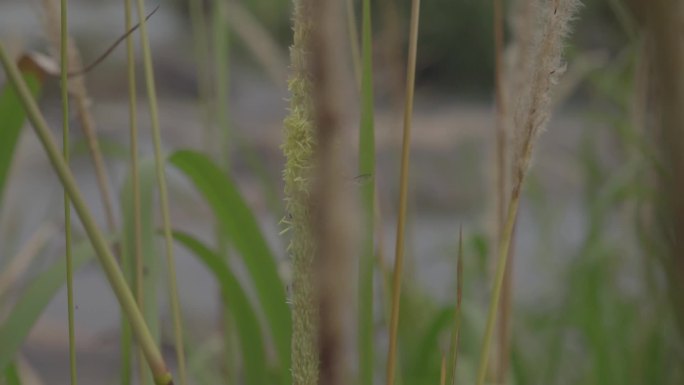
(531,115)
(331,206)
(665,24)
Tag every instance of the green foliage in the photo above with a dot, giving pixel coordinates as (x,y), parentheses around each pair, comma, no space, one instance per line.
(246,322)
(241,228)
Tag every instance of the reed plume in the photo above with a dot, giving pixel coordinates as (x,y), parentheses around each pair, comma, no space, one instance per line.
(531,116)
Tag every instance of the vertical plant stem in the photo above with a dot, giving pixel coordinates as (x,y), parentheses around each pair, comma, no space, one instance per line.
(64,84)
(135,173)
(298,147)
(104,253)
(366,167)
(502,183)
(443,371)
(201,44)
(163,194)
(354,39)
(456,331)
(331,207)
(221,47)
(403,190)
(494,302)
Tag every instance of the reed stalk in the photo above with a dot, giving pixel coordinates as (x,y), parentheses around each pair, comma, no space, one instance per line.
(163,195)
(532,114)
(77,89)
(331,206)
(298,147)
(403,191)
(64,88)
(102,249)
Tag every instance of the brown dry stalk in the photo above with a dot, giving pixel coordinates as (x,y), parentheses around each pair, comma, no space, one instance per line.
(331,206)
(78,91)
(665,21)
(299,144)
(531,117)
(502,184)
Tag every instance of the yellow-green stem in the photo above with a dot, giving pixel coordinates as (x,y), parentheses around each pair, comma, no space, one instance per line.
(135,172)
(102,249)
(403,190)
(163,194)
(64,69)
(504,246)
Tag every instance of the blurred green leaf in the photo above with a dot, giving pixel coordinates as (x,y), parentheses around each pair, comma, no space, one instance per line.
(239,223)
(367,167)
(12,118)
(12,375)
(246,321)
(33,301)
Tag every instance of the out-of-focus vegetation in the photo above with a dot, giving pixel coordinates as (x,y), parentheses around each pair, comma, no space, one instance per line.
(610,315)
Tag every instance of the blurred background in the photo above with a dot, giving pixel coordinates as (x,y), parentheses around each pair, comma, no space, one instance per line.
(590,296)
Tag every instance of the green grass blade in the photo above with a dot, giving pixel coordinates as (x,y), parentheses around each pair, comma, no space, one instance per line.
(12,375)
(242,229)
(12,119)
(33,301)
(367,167)
(246,321)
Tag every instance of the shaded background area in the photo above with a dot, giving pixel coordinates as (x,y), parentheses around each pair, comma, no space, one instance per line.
(589,300)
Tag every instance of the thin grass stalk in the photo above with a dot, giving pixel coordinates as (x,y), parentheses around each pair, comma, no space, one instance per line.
(163,195)
(456,328)
(533,112)
(198,21)
(221,50)
(221,56)
(502,184)
(135,173)
(403,190)
(366,167)
(352,28)
(298,147)
(665,19)
(64,85)
(77,89)
(331,206)
(102,249)
(443,371)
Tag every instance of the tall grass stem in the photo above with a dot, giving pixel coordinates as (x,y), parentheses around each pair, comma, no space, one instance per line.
(403,191)
(163,195)
(102,249)
(64,85)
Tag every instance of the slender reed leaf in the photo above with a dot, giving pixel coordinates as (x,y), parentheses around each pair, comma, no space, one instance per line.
(242,229)
(367,167)
(33,301)
(403,191)
(64,85)
(246,321)
(163,195)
